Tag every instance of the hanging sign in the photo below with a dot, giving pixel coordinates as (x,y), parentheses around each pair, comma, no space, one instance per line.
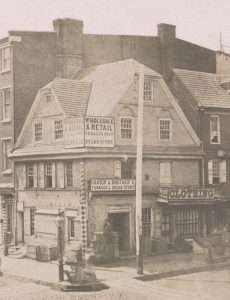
(186,193)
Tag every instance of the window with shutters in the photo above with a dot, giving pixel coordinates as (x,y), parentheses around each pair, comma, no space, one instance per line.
(216,171)
(48,175)
(126,124)
(30,175)
(165,130)
(215,129)
(165,173)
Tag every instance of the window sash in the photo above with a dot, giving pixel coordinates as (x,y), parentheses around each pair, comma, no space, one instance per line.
(69,174)
(126,128)
(30,175)
(165,129)
(38,132)
(48,175)
(71,228)
(58,129)
(214,129)
(5,59)
(146,221)
(148,90)
(6,148)
(6,106)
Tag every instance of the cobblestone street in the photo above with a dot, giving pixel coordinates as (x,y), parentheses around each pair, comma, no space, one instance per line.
(203,286)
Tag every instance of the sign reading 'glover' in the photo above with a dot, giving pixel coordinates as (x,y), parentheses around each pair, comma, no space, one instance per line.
(89,132)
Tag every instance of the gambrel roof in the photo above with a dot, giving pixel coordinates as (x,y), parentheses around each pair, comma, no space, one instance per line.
(109,83)
(72,95)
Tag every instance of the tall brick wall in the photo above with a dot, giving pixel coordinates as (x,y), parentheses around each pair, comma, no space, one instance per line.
(34,66)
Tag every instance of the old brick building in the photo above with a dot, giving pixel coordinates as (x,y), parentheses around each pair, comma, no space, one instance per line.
(205,100)
(80,135)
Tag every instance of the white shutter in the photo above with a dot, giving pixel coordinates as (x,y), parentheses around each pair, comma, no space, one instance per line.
(35,175)
(210,175)
(165,173)
(222,171)
(42,175)
(61,175)
(53,175)
(117,169)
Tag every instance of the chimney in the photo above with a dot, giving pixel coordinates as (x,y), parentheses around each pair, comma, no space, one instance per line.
(70,45)
(167,35)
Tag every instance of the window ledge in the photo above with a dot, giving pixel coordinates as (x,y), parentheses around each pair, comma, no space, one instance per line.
(7,172)
(5,71)
(8,120)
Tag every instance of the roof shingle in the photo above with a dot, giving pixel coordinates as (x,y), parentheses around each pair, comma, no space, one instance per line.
(205,87)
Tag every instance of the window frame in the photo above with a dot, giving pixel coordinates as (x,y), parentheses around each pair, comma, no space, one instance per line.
(146,222)
(41,133)
(132,128)
(3,103)
(148,91)
(2,58)
(58,130)
(6,163)
(32,220)
(69,180)
(170,129)
(47,182)
(29,176)
(71,229)
(218,129)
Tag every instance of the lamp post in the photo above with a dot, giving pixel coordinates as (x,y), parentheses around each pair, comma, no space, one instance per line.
(60,221)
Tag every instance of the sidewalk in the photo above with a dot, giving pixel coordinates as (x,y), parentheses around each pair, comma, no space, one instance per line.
(155,267)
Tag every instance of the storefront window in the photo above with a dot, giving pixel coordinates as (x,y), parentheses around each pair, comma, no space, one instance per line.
(187,221)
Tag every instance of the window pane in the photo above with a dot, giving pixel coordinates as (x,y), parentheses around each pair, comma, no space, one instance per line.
(30,175)
(38,132)
(5,59)
(32,221)
(148,91)
(165,129)
(6,109)
(48,175)
(126,128)
(69,174)
(214,129)
(6,148)
(58,129)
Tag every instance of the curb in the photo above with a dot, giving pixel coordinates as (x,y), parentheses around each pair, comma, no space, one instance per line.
(61,286)
(158,276)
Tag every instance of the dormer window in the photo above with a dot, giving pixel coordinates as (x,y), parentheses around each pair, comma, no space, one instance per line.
(215,129)
(48,97)
(148,90)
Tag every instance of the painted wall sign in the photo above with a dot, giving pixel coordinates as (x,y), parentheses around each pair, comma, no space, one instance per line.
(186,193)
(89,132)
(74,132)
(106,185)
(99,132)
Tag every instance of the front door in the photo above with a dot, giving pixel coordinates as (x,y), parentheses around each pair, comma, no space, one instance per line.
(120,223)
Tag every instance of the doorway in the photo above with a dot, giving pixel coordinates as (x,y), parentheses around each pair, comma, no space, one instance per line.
(120,223)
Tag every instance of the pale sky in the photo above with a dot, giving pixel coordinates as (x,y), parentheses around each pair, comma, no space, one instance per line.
(197,21)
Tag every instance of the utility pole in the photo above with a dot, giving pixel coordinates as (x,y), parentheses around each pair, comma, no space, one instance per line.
(139,251)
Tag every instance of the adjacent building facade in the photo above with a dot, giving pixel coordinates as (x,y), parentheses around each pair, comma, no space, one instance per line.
(205,100)
(77,149)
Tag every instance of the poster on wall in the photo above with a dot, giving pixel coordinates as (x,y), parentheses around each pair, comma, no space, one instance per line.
(74,132)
